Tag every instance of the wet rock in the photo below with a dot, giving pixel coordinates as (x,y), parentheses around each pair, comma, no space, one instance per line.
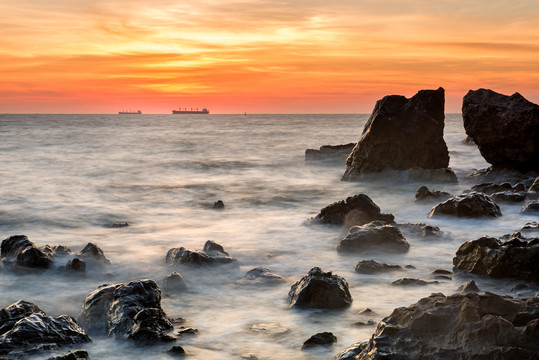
(412,282)
(468,141)
(127,311)
(442,272)
(32,257)
(73,355)
(369,322)
(119,225)
(212,248)
(530,227)
(516,258)
(519,287)
(93,256)
(470,286)
(443,277)
(355,210)
(505,128)
(271,329)
(531,206)
(25,329)
(320,290)
(375,236)
(219,205)
(491,188)
(365,311)
(445,175)
(421,230)
(261,275)
(533,191)
(76,265)
(213,254)
(373,267)
(61,250)
(508,197)
(401,134)
(351,352)
(329,152)
(174,283)
(187,331)
(469,205)
(177,351)
(13,245)
(320,339)
(423,193)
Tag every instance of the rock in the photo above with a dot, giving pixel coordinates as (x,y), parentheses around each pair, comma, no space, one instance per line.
(508,196)
(329,152)
(491,188)
(505,128)
(93,256)
(412,282)
(271,329)
(212,248)
(460,326)
(187,331)
(516,258)
(468,205)
(442,272)
(423,193)
(372,267)
(76,265)
(61,250)
(261,275)
(530,227)
(531,206)
(127,311)
(369,322)
(119,225)
(320,339)
(519,287)
(13,245)
(443,277)
(470,286)
(25,329)
(73,355)
(374,236)
(468,141)
(177,351)
(401,134)
(421,230)
(351,352)
(218,205)
(320,290)
(445,175)
(32,257)
(213,254)
(174,283)
(535,185)
(355,210)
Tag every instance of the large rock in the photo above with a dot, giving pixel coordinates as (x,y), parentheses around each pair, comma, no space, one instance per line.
(213,254)
(505,128)
(401,134)
(374,236)
(329,152)
(517,257)
(73,355)
(373,267)
(320,290)
(25,329)
(320,339)
(32,257)
(127,311)
(13,245)
(460,326)
(355,210)
(468,205)
(423,193)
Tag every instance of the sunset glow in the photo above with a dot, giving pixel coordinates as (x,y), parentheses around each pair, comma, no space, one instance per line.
(259,56)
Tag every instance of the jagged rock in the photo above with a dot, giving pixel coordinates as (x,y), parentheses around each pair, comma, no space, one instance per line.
(355,210)
(320,339)
(187,331)
(373,266)
(13,245)
(174,283)
(412,282)
(32,257)
(212,248)
(25,329)
(517,257)
(76,265)
(374,236)
(460,326)
(531,206)
(219,205)
(491,188)
(505,128)
(329,152)
(401,134)
(73,355)
(93,255)
(423,193)
(470,286)
(445,175)
(177,351)
(261,275)
(127,311)
(352,351)
(213,254)
(508,196)
(320,290)
(468,205)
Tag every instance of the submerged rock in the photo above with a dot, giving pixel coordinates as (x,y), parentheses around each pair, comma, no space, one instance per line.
(93,256)
(509,196)
(374,236)
(468,205)
(531,206)
(329,152)
(213,254)
(32,257)
(320,290)
(412,282)
(174,283)
(373,267)
(470,286)
(423,193)
(355,210)
(401,134)
(505,128)
(320,339)
(260,275)
(444,175)
(460,326)
(177,351)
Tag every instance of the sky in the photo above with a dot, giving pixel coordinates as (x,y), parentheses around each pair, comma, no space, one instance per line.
(260,56)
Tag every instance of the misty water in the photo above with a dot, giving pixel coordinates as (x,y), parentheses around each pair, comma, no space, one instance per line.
(66,178)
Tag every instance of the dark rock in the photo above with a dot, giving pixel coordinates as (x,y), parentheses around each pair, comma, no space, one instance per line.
(412,282)
(442,272)
(508,196)
(212,248)
(26,329)
(421,230)
(409,267)
(469,205)
(177,351)
(131,311)
(517,258)
(176,256)
(93,256)
(401,134)
(535,185)
(531,206)
(320,290)
(32,257)
(423,193)
(73,355)
(505,128)
(369,322)
(468,141)
(372,267)
(375,236)
(218,205)
(460,326)
(174,283)
(76,265)
(530,227)
(61,250)
(352,351)
(365,311)
(355,210)
(491,188)
(119,225)
(519,287)
(445,175)
(187,331)
(13,245)
(261,275)
(442,277)
(320,339)
(329,152)
(470,286)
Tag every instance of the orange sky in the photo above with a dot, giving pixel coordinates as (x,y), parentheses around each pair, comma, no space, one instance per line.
(259,56)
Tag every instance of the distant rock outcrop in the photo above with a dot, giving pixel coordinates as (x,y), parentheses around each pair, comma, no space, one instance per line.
(401,134)
(329,152)
(470,205)
(505,128)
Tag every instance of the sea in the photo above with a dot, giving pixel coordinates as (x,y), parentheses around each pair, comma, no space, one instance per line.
(66,179)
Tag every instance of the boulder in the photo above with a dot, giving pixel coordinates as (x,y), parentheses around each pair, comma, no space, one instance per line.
(127,311)
(218,205)
(212,248)
(76,265)
(320,290)
(13,245)
(213,254)
(374,236)
(508,197)
(423,193)
(174,283)
(373,267)
(531,206)
(32,257)
(460,326)
(517,257)
(73,355)
(401,134)
(412,282)
(329,152)
(468,205)
(93,256)
(320,339)
(355,210)
(421,230)
(177,351)
(261,275)
(470,286)
(505,128)
(491,188)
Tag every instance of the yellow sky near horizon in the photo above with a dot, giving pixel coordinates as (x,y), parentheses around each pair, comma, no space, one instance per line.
(259,56)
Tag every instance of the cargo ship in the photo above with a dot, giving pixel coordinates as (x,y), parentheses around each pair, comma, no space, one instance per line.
(123,112)
(185,111)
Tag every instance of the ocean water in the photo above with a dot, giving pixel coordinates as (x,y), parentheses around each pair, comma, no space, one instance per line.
(66,178)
